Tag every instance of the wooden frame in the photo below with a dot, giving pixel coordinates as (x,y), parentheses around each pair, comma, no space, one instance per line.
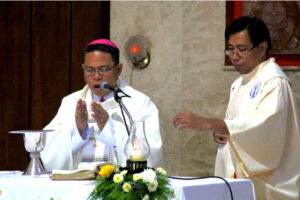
(234,10)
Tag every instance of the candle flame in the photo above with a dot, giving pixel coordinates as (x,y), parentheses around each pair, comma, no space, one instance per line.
(137,154)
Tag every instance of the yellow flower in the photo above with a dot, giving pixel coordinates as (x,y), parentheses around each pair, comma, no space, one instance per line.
(0,192)
(106,171)
(126,187)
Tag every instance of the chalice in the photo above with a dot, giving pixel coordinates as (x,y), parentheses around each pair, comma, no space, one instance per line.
(34,142)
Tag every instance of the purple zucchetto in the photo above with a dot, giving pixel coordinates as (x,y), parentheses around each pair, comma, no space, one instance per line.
(103,41)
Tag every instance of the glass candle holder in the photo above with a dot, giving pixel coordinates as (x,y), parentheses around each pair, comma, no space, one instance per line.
(137,149)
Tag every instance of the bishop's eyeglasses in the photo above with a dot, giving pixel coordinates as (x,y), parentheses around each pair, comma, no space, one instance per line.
(100,70)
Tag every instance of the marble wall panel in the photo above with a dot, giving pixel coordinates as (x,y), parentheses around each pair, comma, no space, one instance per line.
(186,60)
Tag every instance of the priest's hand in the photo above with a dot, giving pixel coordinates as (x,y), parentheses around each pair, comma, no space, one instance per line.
(81,115)
(99,114)
(188,120)
(197,123)
(220,137)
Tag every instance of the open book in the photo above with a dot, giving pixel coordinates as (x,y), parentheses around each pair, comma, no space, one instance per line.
(81,174)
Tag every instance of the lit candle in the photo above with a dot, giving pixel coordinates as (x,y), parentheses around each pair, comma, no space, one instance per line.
(137,155)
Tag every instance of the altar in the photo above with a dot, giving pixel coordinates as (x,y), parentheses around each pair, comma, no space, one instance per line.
(13,186)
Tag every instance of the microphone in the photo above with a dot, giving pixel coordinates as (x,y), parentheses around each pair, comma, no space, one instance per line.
(107,87)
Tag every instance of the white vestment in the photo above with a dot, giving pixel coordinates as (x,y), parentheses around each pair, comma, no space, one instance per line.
(264,142)
(64,146)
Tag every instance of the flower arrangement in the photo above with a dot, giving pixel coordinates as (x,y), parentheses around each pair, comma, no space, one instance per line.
(113,183)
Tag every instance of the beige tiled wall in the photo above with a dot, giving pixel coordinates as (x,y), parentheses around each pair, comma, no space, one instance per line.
(185,74)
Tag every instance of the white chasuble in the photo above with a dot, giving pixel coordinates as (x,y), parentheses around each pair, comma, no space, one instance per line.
(64,147)
(264,142)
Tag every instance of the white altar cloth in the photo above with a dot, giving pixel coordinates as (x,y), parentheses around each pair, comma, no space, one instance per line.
(213,189)
(14,186)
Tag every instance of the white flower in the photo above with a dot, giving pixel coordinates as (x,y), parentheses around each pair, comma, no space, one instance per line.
(152,186)
(148,175)
(126,187)
(124,172)
(161,171)
(136,177)
(146,197)
(118,178)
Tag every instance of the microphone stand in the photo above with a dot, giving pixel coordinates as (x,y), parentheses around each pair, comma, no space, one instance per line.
(131,166)
(118,99)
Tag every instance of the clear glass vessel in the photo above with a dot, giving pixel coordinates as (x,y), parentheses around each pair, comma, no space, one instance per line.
(137,149)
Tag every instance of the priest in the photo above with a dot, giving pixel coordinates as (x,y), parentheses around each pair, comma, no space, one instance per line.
(259,138)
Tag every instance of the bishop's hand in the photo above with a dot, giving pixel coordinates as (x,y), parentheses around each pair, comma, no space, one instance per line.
(99,114)
(81,115)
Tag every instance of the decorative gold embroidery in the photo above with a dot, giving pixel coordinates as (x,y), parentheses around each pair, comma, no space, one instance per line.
(95,138)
